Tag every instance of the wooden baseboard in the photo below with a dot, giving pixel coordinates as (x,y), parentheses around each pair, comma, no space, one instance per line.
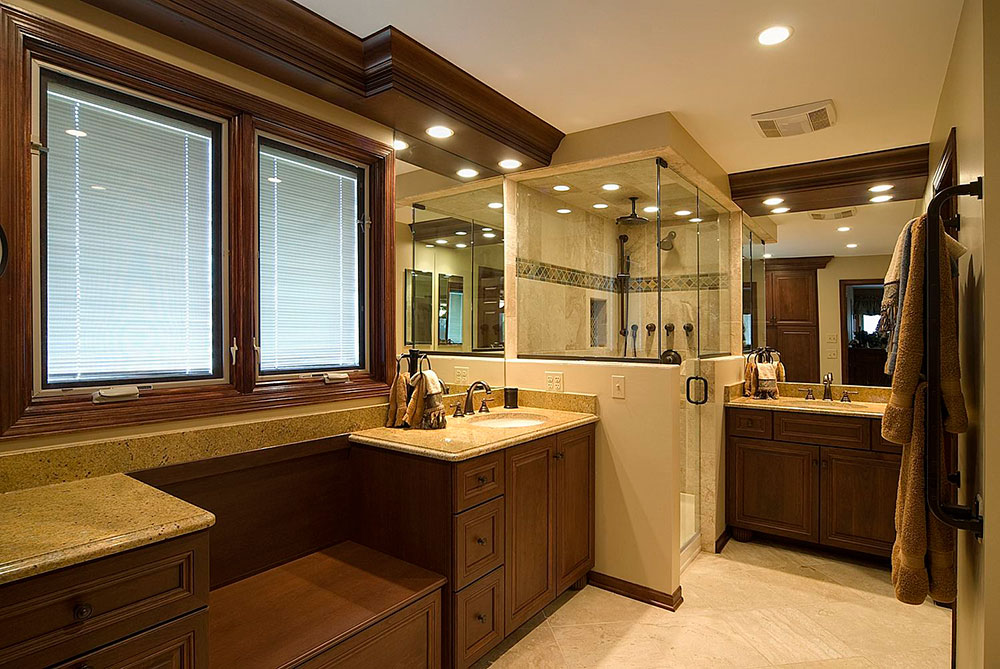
(723,539)
(638,592)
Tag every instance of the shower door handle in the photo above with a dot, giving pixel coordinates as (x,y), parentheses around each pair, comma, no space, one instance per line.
(704,389)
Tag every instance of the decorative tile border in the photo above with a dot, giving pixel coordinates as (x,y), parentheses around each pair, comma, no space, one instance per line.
(568,276)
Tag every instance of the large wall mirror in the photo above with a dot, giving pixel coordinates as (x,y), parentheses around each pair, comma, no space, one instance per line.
(824,287)
(454,300)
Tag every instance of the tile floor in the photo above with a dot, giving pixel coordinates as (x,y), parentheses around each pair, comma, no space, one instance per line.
(755,605)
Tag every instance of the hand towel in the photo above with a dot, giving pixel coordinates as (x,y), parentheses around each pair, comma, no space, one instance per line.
(767,380)
(426,408)
(397,400)
(415,409)
(923,554)
(897,422)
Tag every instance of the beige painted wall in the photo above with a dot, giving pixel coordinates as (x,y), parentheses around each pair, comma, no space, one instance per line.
(969,96)
(112,28)
(828,288)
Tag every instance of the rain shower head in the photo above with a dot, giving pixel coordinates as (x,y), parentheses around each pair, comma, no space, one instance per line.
(633,218)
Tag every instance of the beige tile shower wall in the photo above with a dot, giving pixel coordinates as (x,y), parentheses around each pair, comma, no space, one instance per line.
(637,519)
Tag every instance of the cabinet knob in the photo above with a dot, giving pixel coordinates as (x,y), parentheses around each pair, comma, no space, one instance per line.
(85,666)
(82,611)
(481,541)
(559,456)
(482,479)
(480,617)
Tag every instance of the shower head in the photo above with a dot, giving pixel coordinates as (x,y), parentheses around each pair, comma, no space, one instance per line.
(633,218)
(667,243)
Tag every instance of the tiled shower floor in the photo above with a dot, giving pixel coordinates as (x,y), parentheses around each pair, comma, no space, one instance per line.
(755,605)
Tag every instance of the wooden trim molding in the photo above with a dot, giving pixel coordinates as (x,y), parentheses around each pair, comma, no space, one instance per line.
(836,182)
(722,540)
(641,593)
(387,76)
(25,38)
(806,262)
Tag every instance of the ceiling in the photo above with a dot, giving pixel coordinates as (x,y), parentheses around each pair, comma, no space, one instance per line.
(581,65)
(874,229)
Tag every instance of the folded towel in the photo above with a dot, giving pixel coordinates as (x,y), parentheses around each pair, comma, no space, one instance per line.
(897,422)
(397,400)
(426,408)
(923,554)
(767,380)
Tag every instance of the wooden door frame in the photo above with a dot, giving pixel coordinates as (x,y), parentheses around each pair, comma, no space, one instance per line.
(844,284)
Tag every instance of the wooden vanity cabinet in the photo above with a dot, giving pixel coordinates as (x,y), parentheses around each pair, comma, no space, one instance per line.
(575,494)
(823,478)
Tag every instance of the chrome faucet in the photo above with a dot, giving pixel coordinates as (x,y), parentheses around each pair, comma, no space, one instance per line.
(472,389)
(827,390)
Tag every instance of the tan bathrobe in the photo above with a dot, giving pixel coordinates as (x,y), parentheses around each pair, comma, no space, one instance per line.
(923,553)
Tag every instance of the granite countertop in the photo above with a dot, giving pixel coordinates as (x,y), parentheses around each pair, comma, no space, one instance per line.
(862,409)
(50,527)
(463,439)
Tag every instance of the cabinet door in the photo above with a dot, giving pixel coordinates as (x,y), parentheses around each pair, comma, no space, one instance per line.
(794,300)
(180,644)
(858,500)
(574,458)
(774,487)
(530,567)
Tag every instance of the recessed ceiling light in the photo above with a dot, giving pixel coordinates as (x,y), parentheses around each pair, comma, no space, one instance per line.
(682,212)
(509,163)
(440,131)
(852,246)
(844,228)
(467,173)
(774,35)
(98,187)
(440,241)
(773,201)
(881,198)
(76,133)
(495,205)
(561,188)
(650,209)
(881,188)
(460,246)
(487,229)
(600,205)
(489,235)
(430,246)
(767,255)
(461,233)
(610,186)
(563,211)
(695,220)
(780,210)
(399,144)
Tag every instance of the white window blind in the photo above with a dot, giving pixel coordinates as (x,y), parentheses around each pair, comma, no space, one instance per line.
(130,241)
(309,262)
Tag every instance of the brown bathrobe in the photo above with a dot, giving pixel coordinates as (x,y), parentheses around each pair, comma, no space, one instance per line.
(923,553)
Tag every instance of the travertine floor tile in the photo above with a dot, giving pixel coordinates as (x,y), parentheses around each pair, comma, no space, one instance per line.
(537,650)
(785,635)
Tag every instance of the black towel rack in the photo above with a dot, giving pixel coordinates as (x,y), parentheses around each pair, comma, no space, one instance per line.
(959,516)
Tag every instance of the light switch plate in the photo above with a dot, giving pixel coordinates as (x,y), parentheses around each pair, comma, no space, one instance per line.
(462,375)
(618,386)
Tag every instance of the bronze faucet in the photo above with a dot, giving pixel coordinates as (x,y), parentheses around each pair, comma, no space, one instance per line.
(469,408)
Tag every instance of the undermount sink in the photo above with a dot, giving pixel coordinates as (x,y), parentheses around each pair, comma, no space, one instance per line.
(506,420)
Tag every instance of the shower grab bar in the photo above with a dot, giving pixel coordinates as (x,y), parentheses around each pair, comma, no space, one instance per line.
(959,516)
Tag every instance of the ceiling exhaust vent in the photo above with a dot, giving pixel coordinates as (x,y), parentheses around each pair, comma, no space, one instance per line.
(796,120)
(833,214)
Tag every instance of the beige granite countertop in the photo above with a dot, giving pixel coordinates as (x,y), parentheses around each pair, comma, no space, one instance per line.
(862,409)
(463,440)
(46,528)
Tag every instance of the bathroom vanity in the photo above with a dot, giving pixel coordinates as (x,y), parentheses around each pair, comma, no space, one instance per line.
(815,471)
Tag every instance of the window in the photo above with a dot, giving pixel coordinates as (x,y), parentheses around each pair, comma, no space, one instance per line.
(130,239)
(311,250)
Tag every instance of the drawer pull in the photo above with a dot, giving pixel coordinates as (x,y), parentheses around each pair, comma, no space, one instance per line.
(481,541)
(82,611)
(480,617)
(483,480)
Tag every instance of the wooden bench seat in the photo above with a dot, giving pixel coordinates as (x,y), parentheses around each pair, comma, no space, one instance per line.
(287,615)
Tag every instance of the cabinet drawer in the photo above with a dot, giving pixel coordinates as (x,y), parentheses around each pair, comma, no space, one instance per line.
(478,480)
(181,644)
(50,617)
(880,444)
(822,429)
(408,639)
(479,614)
(752,423)
(479,542)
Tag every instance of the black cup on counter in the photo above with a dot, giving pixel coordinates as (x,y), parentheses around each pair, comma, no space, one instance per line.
(510,398)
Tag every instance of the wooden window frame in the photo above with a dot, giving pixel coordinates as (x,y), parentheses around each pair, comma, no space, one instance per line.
(26,38)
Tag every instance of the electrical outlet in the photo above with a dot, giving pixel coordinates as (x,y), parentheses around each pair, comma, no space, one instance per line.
(617,386)
(831,355)
(549,381)
(557,382)
(462,375)
(831,338)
